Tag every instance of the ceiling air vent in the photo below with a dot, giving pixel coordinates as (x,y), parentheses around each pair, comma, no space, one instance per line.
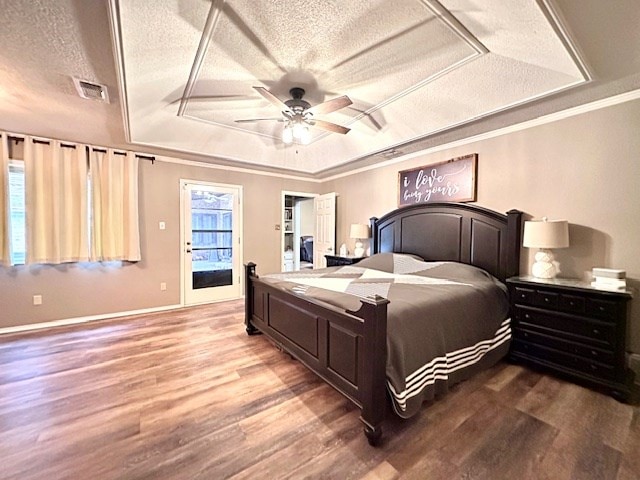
(90,90)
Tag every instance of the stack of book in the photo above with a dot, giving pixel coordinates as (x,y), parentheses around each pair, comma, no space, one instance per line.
(609,279)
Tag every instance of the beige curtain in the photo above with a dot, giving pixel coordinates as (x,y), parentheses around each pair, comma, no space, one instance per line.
(115,233)
(5,255)
(56,202)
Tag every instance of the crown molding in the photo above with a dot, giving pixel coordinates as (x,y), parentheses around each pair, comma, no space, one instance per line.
(543,120)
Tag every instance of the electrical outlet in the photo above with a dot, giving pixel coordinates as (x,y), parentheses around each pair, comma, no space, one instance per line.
(37,299)
(163,286)
(162,225)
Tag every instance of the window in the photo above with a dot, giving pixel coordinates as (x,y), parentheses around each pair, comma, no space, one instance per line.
(17,209)
(58,226)
(17,225)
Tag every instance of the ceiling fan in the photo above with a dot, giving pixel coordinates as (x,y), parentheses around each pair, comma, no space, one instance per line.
(299,115)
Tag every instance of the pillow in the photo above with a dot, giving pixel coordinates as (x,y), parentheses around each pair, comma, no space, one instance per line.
(385,261)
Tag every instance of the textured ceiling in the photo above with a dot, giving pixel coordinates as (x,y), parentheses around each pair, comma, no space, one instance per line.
(410,67)
(419,72)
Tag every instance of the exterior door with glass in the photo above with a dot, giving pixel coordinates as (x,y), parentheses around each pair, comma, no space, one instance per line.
(211,243)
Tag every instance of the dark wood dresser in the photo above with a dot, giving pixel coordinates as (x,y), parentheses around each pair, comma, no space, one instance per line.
(337,260)
(572,329)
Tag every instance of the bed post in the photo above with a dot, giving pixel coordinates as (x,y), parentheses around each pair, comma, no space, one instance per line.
(514,242)
(375,247)
(372,377)
(249,273)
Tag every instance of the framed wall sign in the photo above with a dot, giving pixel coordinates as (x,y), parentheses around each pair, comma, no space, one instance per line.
(451,181)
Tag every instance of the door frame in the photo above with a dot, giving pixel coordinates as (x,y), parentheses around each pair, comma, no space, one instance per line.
(296,241)
(183,183)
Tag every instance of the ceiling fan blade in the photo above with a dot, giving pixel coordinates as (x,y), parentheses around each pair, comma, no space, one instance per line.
(330,105)
(331,127)
(253,120)
(273,99)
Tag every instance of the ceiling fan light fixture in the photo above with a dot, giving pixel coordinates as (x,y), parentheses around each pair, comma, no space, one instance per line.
(305,136)
(298,130)
(299,115)
(287,135)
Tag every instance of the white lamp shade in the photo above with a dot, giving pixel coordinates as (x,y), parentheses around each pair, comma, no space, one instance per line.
(359,230)
(546,234)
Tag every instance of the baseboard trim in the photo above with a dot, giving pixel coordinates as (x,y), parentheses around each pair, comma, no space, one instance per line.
(72,321)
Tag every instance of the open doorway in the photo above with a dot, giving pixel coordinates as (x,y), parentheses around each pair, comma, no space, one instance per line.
(298,223)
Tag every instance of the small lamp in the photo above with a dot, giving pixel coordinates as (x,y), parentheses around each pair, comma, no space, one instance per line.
(545,234)
(359,231)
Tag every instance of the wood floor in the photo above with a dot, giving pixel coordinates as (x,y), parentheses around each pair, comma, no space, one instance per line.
(187,395)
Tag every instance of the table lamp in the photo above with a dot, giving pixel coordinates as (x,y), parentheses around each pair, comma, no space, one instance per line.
(545,234)
(359,231)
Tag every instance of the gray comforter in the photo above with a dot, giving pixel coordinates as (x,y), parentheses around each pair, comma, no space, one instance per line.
(445,320)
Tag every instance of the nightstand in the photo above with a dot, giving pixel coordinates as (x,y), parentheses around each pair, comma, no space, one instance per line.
(337,260)
(572,329)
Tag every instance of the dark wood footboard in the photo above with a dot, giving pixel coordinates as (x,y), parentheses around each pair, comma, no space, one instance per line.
(346,349)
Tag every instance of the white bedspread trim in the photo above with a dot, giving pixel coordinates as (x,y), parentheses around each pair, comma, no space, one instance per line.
(440,367)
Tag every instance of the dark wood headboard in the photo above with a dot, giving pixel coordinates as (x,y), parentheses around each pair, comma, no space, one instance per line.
(457,232)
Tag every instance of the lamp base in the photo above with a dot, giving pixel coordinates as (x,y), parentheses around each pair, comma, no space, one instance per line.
(359,250)
(544,266)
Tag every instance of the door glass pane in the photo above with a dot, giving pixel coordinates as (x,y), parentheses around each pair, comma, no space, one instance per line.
(212,239)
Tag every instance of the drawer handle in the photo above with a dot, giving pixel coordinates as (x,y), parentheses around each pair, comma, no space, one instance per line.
(522,295)
(593,367)
(594,353)
(601,308)
(526,315)
(571,303)
(546,299)
(525,334)
(596,331)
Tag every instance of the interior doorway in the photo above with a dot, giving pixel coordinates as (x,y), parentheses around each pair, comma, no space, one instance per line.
(298,224)
(324,210)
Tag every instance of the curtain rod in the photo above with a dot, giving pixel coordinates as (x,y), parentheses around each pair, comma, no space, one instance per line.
(151,158)
(47,142)
(19,139)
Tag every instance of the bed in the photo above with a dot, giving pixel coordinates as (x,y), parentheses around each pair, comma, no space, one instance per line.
(345,339)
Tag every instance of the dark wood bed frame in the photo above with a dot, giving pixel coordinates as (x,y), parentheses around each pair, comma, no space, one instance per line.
(348,348)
